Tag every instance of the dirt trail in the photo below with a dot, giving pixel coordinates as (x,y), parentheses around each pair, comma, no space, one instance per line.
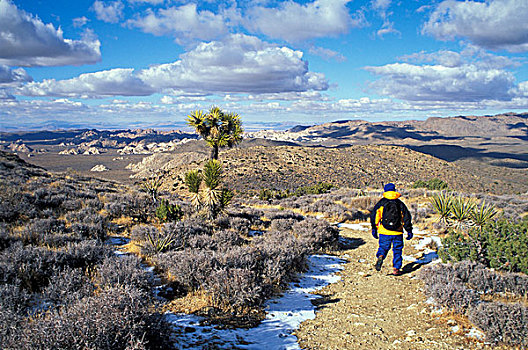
(376,310)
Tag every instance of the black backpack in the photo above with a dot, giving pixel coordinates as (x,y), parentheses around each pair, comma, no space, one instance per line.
(391,217)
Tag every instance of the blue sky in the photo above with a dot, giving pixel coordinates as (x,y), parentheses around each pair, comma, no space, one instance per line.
(149,63)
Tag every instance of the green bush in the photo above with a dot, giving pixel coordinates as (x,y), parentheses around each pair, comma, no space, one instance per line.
(501,244)
(168,212)
(266,194)
(508,246)
(433,184)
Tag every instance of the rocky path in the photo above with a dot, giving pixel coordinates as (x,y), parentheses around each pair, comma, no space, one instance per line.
(376,310)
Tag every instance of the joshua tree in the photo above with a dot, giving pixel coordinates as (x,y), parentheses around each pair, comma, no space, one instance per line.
(217,128)
(211,197)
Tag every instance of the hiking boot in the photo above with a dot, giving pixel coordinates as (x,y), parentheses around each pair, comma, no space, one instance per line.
(379,263)
(396,272)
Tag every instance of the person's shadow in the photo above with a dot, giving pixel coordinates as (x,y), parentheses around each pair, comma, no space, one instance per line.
(411,267)
(415,265)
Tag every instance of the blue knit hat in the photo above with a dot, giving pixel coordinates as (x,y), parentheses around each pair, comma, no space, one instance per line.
(389,187)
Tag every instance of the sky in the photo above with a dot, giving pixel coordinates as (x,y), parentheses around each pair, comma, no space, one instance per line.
(149,63)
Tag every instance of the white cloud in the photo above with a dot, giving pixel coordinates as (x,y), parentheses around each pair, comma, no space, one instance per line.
(5,95)
(468,76)
(238,64)
(80,22)
(493,24)
(112,82)
(152,2)
(327,53)
(11,77)
(26,41)
(183,22)
(467,82)
(293,22)
(111,12)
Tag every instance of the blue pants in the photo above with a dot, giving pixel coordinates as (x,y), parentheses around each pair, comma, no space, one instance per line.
(385,242)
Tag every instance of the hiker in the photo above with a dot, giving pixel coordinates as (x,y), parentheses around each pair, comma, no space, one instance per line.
(388,219)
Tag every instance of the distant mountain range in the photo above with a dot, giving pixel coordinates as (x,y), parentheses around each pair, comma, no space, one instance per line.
(494,147)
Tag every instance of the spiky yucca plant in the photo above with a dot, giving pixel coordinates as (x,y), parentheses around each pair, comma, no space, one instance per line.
(442,204)
(211,196)
(482,214)
(193,180)
(160,243)
(461,209)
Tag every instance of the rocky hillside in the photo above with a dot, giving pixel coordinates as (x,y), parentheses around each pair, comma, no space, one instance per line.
(287,167)
(511,125)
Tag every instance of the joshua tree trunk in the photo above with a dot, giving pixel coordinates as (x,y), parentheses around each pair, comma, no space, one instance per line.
(214,152)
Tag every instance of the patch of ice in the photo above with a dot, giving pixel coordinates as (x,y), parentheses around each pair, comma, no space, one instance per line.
(358,227)
(283,315)
(117,240)
(476,334)
(424,242)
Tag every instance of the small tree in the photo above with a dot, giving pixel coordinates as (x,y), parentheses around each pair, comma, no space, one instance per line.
(217,128)
(152,184)
(211,197)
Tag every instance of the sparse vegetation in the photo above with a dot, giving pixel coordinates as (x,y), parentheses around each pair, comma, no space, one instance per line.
(460,287)
(433,184)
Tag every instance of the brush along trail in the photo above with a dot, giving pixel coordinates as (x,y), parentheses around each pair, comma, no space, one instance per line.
(368,309)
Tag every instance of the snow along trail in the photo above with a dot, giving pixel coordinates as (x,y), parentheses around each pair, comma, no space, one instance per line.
(283,314)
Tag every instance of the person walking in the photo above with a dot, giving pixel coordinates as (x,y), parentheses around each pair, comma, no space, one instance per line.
(388,219)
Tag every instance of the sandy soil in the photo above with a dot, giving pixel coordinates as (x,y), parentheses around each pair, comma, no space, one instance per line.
(376,310)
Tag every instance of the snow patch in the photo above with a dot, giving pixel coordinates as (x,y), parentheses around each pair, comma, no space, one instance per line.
(283,315)
(358,227)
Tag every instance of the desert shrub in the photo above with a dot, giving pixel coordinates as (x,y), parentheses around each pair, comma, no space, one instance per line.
(268,195)
(240,257)
(282,225)
(14,204)
(85,254)
(329,208)
(274,214)
(32,267)
(234,289)
(168,212)
(201,241)
(13,305)
(227,238)
(140,233)
(316,234)
(72,204)
(123,270)
(502,323)
(190,268)
(283,257)
(443,284)
(41,231)
(240,225)
(362,202)
(47,198)
(114,319)
(5,237)
(318,188)
(432,184)
(252,214)
(67,285)
(135,205)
